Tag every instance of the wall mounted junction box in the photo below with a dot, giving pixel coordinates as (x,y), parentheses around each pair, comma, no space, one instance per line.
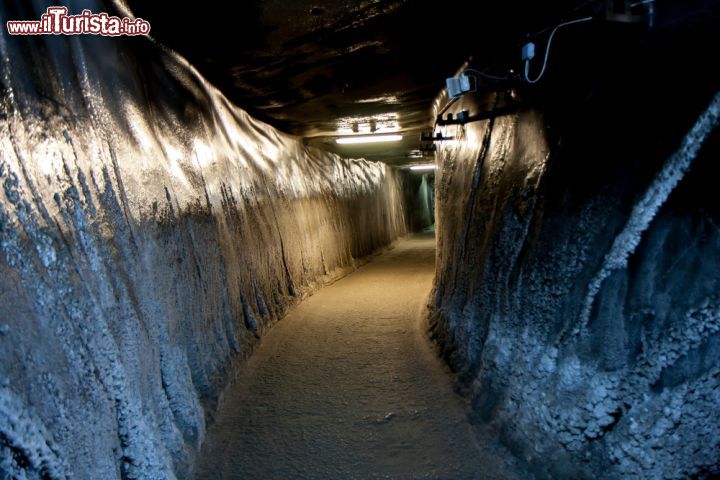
(457,86)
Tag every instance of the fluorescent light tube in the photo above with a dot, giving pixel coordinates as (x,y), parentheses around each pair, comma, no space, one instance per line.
(426,166)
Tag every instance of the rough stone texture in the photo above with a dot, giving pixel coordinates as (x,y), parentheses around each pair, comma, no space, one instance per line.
(150,232)
(580,303)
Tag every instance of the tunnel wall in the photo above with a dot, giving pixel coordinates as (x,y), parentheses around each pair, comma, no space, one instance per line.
(151,232)
(419,199)
(577,291)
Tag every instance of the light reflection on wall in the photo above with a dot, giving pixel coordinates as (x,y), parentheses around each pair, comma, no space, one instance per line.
(385,99)
(175,159)
(203,153)
(47,158)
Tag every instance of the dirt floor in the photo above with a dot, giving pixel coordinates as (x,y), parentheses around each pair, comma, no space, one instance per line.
(348,386)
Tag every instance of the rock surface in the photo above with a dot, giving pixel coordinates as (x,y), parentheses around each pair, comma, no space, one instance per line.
(150,233)
(580,303)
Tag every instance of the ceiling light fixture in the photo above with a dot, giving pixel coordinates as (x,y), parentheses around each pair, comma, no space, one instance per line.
(368,139)
(426,166)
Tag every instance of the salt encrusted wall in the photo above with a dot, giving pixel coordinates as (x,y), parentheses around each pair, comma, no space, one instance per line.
(150,232)
(578,295)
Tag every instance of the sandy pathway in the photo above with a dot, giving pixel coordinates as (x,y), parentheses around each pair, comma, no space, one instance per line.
(347,386)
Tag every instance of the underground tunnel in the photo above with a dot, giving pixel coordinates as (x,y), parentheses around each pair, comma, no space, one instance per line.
(353,240)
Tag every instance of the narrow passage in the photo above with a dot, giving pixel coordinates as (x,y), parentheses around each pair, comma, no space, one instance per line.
(347,386)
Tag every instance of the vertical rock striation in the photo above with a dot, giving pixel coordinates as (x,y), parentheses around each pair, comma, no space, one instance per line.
(583,315)
(150,232)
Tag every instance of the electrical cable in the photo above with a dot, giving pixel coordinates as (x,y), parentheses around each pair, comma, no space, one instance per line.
(483,74)
(547,50)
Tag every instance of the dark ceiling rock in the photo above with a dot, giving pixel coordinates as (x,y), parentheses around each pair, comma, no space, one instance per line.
(315,68)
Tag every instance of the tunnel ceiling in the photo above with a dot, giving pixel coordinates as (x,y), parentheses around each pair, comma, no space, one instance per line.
(316,68)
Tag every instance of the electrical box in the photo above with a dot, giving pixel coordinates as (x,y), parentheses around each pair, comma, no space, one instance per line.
(528,51)
(456,86)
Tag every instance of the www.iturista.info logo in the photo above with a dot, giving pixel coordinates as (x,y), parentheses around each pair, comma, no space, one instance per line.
(56,21)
